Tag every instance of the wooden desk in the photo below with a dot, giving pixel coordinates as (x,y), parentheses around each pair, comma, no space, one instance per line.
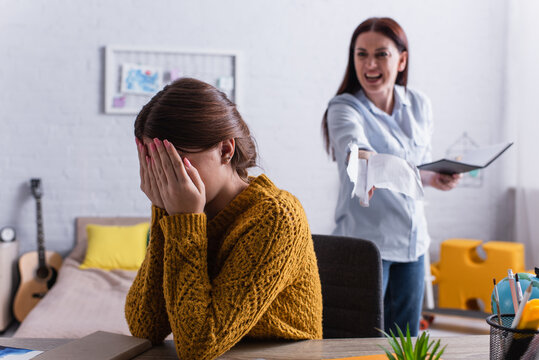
(474,347)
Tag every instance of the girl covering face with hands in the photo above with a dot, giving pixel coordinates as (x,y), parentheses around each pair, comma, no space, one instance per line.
(230,256)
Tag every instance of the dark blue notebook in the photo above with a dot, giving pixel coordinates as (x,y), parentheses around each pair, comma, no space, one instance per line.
(471,160)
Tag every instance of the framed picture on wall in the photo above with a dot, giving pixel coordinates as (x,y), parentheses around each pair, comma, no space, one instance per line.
(134,74)
(140,79)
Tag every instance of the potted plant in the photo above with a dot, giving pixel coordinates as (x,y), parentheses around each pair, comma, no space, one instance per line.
(404,348)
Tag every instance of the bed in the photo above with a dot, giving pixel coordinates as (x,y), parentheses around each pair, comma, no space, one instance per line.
(82,301)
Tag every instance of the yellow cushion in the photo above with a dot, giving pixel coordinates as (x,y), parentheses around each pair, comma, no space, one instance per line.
(115,247)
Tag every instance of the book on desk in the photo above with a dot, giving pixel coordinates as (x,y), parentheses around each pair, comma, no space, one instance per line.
(100,345)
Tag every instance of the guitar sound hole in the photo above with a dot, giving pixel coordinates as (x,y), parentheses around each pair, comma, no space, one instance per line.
(42,272)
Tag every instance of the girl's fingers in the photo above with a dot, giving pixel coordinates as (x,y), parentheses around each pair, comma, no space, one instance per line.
(139,151)
(155,179)
(166,162)
(140,156)
(194,175)
(183,169)
(157,165)
(143,165)
(157,199)
(176,160)
(151,177)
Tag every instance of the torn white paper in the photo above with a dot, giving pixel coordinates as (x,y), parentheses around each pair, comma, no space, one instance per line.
(382,171)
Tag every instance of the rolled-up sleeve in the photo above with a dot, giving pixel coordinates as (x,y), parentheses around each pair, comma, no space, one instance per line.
(346,127)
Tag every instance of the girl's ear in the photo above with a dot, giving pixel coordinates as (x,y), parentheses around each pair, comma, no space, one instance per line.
(227,150)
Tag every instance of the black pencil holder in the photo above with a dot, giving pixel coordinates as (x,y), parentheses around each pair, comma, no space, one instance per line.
(511,344)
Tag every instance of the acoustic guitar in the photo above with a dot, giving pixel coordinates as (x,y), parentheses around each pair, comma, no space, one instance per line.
(38,270)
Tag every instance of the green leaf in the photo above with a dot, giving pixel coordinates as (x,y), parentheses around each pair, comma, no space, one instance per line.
(434,349)
(408,337)
(405,345)
(393,342)
(405,349)
(421,347)
(430,345)
(383,332)
(410,345)
(399,348)
(417,346)
(436,352)
(440,353)
(388,354)
(395,346)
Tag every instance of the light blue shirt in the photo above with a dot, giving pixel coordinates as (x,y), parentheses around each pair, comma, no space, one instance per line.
(395,222)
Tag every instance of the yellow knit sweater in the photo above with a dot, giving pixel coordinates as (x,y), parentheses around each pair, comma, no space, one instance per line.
(250,271)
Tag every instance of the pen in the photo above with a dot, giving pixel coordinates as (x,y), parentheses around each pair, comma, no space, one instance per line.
(518,290)
(511,279)
(497,298)
(522,305)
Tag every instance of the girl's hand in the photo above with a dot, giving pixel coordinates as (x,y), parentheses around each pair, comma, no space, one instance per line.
(179,183)
(148,183)
(444,182)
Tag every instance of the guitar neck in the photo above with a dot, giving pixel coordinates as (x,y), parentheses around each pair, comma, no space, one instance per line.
(40,236)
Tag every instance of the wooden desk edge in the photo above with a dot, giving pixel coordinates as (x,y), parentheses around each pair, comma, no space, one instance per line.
(459,347)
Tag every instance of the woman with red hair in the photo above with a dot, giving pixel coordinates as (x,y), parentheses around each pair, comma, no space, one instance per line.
(376,111)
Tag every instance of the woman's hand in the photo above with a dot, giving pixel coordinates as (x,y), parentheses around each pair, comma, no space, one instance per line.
(179,183)
(148,183)
(444,182)
(364,154)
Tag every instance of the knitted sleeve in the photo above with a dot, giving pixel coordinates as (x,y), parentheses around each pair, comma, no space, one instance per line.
(208,318)
(145,309)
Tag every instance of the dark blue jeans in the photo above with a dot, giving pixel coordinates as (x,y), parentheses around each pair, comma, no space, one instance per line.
(404,285)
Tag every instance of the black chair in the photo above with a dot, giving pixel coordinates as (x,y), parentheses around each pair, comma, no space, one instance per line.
(351,276)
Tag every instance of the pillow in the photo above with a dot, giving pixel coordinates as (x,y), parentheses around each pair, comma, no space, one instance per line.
(115,247)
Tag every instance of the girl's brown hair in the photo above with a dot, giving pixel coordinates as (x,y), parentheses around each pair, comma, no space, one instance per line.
(194,115)
(350,84)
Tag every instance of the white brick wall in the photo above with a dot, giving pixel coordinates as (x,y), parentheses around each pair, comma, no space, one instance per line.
(52,125)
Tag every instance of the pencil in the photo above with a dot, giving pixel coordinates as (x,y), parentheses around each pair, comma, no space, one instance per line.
(497,298)
(511,279)
(518,289)
(525,299)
